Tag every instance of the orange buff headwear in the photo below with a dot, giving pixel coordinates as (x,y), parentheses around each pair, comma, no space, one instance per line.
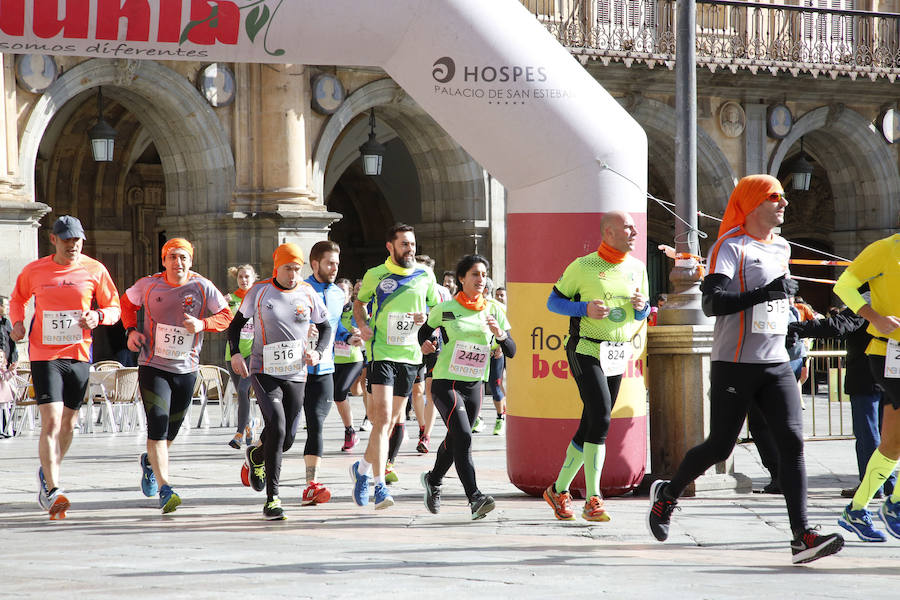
(286,253)
(750,192)
(177,243)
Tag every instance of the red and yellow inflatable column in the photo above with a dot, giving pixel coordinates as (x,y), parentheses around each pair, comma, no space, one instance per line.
(543,404)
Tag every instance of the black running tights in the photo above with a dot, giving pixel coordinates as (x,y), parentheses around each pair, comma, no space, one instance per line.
(279,402)
(459,403)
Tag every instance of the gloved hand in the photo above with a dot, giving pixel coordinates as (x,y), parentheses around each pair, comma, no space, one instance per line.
(781,288)
(793,335)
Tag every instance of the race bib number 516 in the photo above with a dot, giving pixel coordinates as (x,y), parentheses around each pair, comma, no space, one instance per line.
(283,358)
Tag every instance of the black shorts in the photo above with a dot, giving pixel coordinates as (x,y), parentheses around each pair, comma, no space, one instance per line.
(62,380)
(396,374)
(890,385)
(344,376)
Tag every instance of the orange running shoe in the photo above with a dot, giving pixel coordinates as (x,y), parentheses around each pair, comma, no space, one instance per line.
(561,503)
(594,511)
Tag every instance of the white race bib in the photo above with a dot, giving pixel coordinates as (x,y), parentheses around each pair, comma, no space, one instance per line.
(402,329)
(469,360)
(283,358)
(247,330)
(173,342)
(892,360)
(342,349)
(614,357)
(61,328)
(771,317)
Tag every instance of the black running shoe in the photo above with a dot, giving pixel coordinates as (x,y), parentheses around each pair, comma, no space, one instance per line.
(257,471)
(660,511)
(432,494)
(481,506)
(272,510)
(810,546)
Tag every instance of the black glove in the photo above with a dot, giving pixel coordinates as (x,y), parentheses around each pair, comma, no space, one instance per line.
(793,335)
(781,288)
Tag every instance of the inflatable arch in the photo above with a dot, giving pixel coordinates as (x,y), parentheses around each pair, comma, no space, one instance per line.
(494,79)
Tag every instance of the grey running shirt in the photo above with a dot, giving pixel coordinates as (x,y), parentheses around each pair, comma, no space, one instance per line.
(281,322)
(754,335)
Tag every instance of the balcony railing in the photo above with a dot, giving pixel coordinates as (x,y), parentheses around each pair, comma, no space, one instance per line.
(730,34)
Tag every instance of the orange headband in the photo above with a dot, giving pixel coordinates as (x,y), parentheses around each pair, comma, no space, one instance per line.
(286,253)
(750,192)
(175,243)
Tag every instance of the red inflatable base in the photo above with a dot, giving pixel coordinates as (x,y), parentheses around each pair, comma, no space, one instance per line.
(536,447)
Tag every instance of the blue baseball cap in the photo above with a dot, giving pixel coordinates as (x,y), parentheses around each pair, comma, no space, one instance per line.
(67,227)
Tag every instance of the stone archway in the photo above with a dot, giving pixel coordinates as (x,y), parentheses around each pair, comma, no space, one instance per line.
(192,144)
(715,178)
(452,185)
(861,169)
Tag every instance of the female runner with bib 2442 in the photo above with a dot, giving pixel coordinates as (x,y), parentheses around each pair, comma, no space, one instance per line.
(470,324)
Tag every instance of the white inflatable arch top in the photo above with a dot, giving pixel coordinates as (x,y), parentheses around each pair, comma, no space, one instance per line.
(486,71)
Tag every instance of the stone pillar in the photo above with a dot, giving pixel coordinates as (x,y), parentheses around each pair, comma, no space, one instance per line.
(270,145)
(755,160)
(678,369)
(19,216)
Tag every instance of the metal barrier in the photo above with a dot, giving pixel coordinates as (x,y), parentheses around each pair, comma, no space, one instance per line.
(827,414)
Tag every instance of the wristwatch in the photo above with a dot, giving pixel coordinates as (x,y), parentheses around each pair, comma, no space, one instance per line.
(99,316)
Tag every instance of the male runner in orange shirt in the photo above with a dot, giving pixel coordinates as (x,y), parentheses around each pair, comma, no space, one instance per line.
(65,287)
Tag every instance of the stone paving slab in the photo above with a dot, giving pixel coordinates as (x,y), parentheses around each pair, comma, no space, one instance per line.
(115,543)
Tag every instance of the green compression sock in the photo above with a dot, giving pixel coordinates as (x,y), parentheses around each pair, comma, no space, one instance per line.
(573,462)
(878,470)
(594,455)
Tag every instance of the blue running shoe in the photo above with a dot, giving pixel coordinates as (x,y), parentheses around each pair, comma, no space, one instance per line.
(148,479)
(360,485)
(860,523)
(890,515)
(43,492)
(383,498)
(168,500)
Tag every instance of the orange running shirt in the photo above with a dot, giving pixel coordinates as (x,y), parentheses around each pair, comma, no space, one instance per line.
(59,292)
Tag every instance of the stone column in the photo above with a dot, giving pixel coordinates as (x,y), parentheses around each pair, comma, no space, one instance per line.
(19,215)
(755,159)
(678,369)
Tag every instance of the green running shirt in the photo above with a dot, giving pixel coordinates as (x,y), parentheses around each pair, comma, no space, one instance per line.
(395,293)
(463,326)
(592,278)
(344,353)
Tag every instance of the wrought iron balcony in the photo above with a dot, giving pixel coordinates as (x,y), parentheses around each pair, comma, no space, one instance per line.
(731,35)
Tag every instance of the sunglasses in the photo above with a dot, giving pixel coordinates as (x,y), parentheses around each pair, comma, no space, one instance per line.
(776,197)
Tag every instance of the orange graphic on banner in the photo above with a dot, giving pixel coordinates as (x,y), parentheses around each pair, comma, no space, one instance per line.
(540,383)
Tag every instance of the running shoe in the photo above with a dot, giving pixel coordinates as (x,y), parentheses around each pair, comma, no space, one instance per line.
(594,511)
(809,546)
(860,523)
(245,474)
(661,509)
(168,500)
(350,439)
(561,503)
(478,425)
(383,498)
(432,494)
(315,493)
(481,505)
(148,479)
(235,442)
(890,515)
(272,510)
(43,492)
(257,471)
(390,476)
(59,504)
(360,485)
(364,426)
(422,447)
(500,427)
